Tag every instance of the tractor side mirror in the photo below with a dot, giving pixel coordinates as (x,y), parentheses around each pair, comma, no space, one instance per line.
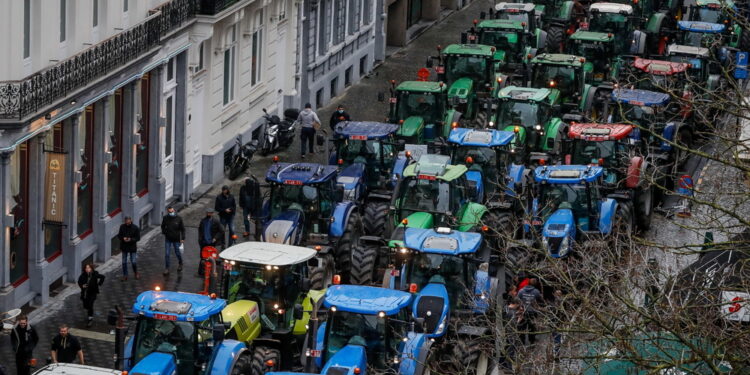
(339,194)
(381,96)
(219,332)
(306,285)
(298,312)
(428,63)
(482,15)
(464,38)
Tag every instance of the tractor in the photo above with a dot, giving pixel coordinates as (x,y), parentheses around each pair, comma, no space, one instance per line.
(422,110)
(570,208)
(306,206)
(367,151)
(532,113)
(628,168)
(185,333)
(269,279)
(707,35)
(513,45)
(702,71)
(721,12)
(616,29)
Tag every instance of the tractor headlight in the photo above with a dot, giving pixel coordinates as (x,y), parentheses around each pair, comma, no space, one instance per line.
(564,247)
(538,127)
(492,123)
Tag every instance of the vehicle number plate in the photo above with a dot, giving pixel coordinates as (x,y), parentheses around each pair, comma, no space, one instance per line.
(583,26)
(427,177)
(164,317)
(393,100)
(358,137)
(440,69)
(292,182)
(315,353)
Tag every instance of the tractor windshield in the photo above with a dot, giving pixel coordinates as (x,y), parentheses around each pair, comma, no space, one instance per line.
(378,335)
(374,153)
(589,152)
(429,195)
(503,40)
(513,16)
(427,105)
(707,14)
(473,67)
(614,23)
(637,114)
(167,336)
(314,201)
(488,160)
(564,78)
(274,288)
(454,272)
(522,113)
(698,39)
(695,69)
(560,196)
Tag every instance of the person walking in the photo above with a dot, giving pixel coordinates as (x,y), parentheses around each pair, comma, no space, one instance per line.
(226,206)
(338,116)
(65,347)
(173,230)
(210,233)
(309,122)
(23,340)
(531,297)
(249,195)
(129,235)
(89,282)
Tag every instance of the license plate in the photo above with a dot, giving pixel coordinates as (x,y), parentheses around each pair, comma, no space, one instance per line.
(427,177)
(315,353)
(583,26)
(164,317)
(395,273)
(439,69)
(393,100)
(472,37)
(358,137)
(292,182)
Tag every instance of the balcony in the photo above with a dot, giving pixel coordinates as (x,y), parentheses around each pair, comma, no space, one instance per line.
(37,92)
(213,7)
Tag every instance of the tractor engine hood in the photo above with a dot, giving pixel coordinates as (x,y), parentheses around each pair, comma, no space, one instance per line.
(558,233)
(433,304)
(461,89)
(350,360)
(155,364)
(284,228)
(411,127)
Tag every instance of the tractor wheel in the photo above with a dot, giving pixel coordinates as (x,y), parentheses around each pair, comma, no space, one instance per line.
(744,43)
(472,359)
(501,229)
(554,43)
(622,228)
(320,277)
(265,360)
(364,264)
(644,203)
(243,365)
(346,246)
(374,218)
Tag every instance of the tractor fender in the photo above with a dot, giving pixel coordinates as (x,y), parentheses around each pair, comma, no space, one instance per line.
(320,337)
(127,354)
(670,129)
(414,354)
(451,116)
(164,363)
(607,210)
(341,214)
(471,216)
(398,168)
(225,355)
(433,298)
(349,358)
(541,39)
(284,228)
(635,168)
(654,24)
(411,127)
(589,93)
(515,174)
(519,139)
(566,11)
(475,178)
(482,291)
(638,45)
(352,179)
(556,131)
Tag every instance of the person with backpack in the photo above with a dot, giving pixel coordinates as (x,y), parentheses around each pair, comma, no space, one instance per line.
(309,122)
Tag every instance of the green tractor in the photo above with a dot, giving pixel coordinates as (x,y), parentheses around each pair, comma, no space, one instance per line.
(532,113)
(469,72)
(268,280)
(722,12)
(422,109)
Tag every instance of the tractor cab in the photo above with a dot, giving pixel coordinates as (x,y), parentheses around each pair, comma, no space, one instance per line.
(567,73)
(599,51)
(701,34)
(512,43)
(525,13)
(469,72)
(614,24)
(364,148)
(606,145)
(658,75)
(697,58)
(422,110)
(723,12)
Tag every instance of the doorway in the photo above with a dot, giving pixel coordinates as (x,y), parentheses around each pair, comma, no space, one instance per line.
(168,110)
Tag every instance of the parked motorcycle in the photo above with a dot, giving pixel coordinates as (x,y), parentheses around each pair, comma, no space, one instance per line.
(241,158)
(277,133)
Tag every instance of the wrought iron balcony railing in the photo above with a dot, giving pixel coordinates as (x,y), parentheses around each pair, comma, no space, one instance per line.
(19,99)
(211,7)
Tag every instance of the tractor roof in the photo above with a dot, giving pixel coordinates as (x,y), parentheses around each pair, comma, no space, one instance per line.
(369,300)
(599,132)
(300,173)
(640,97)
(559,59)
(515,7)
(701,27)
(611,8)
(567,174)
(714,3)
(469,49)
(72,368)
(434,167)
(480,137)
(442,241)
(592,36)
(524,93)
(266,253)
(501,24)
(177,306)
(678,49)
(421,86)
(364,130)
(659,67)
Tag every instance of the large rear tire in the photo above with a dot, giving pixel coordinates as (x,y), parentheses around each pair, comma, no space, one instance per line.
(471,358)
(744,44)
(346,247)
(501,230)
(375,217)
(321,277)
(364,264)
(554,42)
(243,365)
(261,358)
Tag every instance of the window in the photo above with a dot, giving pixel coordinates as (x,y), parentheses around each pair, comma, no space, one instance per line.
(170,125)
(366,12)
(348,77)
(95,22)
(339,21)
(334,86)
(319,98)
(114,147)
(199,67)
(257,49)
(63,19)
(141,153)
(282,10)
(19,187)
(124,5)
(354,16)
(85,165)
(363,66)
(26,28)
(53,233)
(325,26)
(170,70)
(229,57)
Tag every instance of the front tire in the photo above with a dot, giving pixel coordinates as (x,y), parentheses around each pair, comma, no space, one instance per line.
(375,217)
(244,364)
(554,42)
(364,264)
(261,358)
(346,246)
(472,359)
(644,201)
(321,277)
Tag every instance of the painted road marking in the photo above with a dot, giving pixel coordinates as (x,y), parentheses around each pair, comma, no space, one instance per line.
(92,335)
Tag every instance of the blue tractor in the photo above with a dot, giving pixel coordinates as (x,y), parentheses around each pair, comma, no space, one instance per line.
(570,208)
(306,207)
(184,333)
(366,153)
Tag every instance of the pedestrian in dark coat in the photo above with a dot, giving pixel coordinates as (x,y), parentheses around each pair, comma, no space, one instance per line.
(226,206)
(531,298)
(89,282)
(129,235)
(249,196)
(65,347)
(210,233)
(23,340)
(173,230)
(338,116)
